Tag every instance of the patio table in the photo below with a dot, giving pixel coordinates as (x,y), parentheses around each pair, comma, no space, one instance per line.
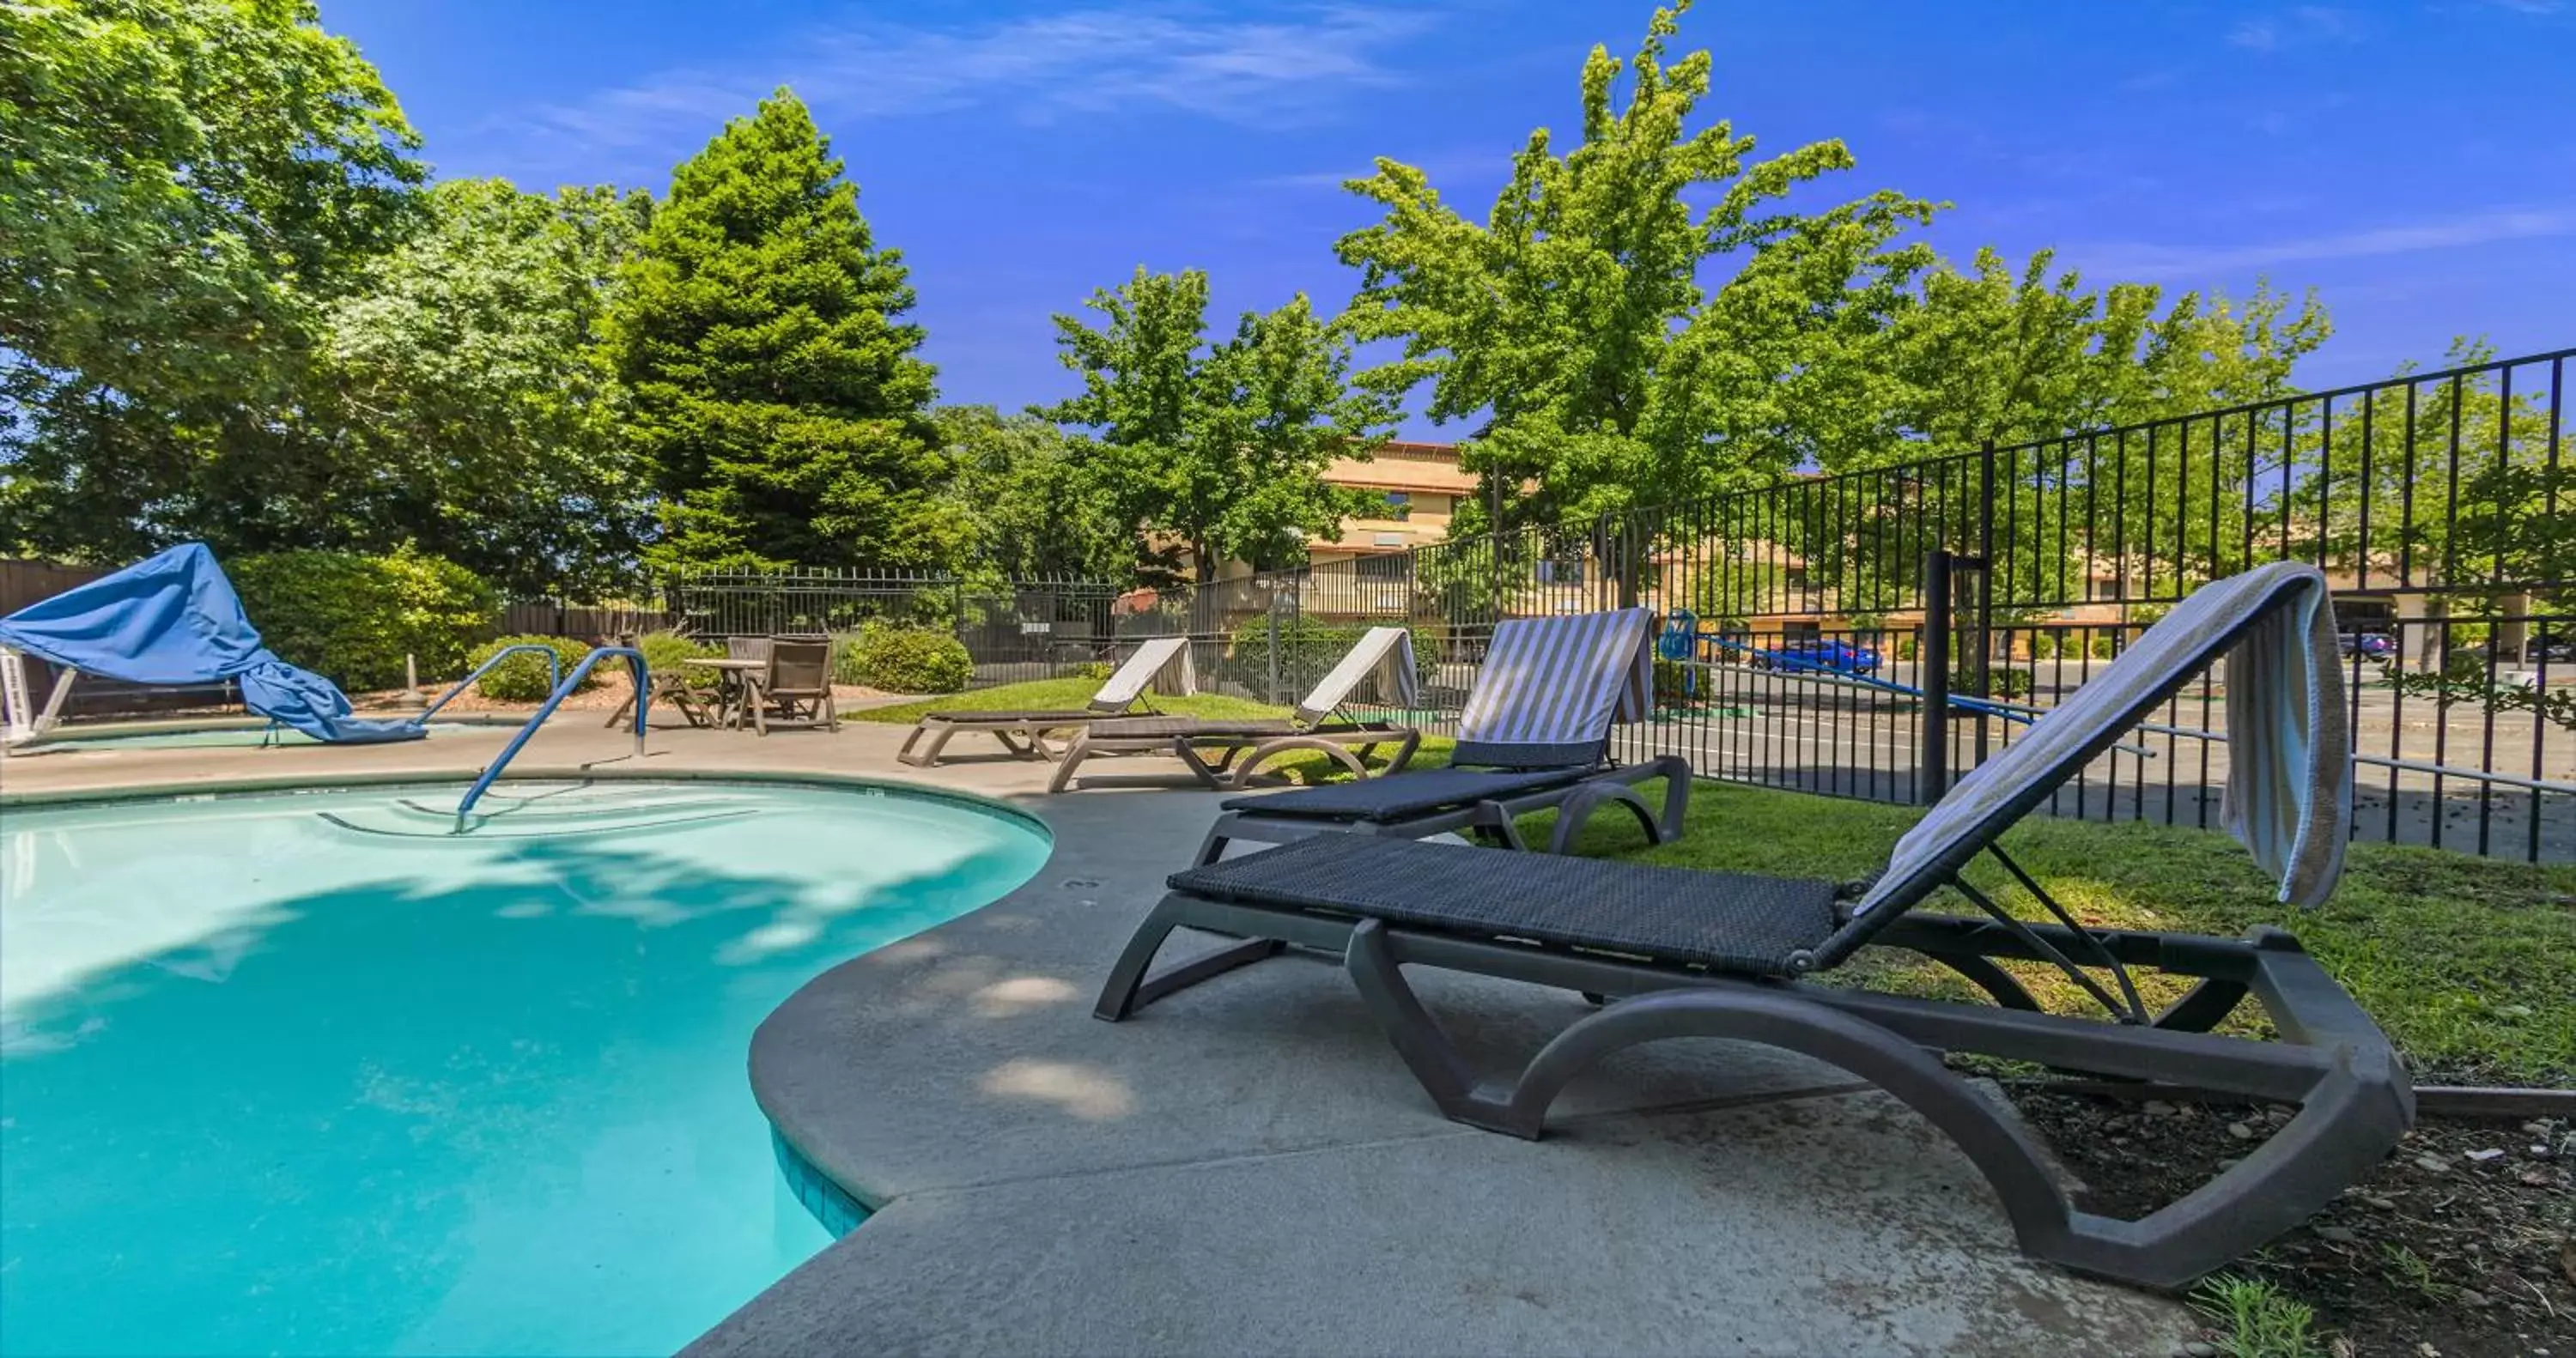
(732,675)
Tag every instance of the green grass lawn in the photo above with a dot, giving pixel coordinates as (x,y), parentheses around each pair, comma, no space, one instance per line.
(1065,694)
(2468,963)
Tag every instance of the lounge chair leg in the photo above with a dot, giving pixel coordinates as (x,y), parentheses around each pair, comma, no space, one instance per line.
(1130,987)
(1373,967)
(1580,804)
(1331,749)
(1074,754)
(1993,1139)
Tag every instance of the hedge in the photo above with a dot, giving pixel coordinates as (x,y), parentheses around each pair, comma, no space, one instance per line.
(522,677)
(353,618)
(902,660)
(1308,650)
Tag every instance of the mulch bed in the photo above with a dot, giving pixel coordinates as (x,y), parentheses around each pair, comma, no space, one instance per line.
(2462,1244)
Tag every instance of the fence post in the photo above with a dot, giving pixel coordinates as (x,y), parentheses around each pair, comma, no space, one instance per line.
(1273,615)
(1932,770)
(1980,682)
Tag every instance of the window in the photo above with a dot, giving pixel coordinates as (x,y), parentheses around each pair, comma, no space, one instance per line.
(1399,504)
(1560,572)
(1390,566)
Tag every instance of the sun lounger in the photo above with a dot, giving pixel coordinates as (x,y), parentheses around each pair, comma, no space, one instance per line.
(1535,734)
(1162,663)
(1239,747)
(1708,955)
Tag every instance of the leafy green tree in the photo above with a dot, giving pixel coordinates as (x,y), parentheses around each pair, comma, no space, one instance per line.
(777,396)
(468,380)
(2031,362)
(1217,450)
(183,184)
(1037,508)
(1573,322)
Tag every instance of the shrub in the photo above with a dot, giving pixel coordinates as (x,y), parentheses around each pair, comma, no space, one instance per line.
(2002,681)
(522,677)
(352,618)
(910,660)
(1672,682)
(1308,649)
(665,650)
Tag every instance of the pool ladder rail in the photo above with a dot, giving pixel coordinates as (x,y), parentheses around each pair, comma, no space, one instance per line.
(563,688)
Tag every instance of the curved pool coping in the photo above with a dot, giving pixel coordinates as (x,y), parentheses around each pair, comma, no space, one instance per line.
(75,733)
(568,773)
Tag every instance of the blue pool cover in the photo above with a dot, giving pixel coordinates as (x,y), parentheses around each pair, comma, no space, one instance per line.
(174,619)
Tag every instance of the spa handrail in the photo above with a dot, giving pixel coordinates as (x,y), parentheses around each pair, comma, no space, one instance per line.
(643,695)
(554,676)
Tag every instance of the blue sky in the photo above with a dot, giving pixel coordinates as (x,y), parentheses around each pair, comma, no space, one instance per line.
(2412,160)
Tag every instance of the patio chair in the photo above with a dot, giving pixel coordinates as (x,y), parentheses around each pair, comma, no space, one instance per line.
(1535,734)
(795,689)
(1719,955)
(667,687)
(1383,653)
(1161,663)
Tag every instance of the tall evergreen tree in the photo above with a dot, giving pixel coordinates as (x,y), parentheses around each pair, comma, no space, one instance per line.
(778,400)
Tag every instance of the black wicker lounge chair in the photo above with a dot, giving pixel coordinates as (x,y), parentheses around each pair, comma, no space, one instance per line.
(1162,663)
(1221,752)
(1535,734)
(1710,955)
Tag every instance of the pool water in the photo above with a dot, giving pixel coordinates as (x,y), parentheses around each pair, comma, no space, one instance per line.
(307,1073)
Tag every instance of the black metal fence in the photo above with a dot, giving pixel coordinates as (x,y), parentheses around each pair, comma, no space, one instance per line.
(1015,629)
(2441,505)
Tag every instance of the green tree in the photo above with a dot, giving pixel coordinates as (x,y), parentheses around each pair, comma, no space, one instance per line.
(1036,506)
(1218,450)
(469,383)
(183,184)
(1573,323)
(2032,362)
(777,396)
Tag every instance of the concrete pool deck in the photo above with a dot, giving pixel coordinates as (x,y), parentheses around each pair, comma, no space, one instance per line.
(1246,1167)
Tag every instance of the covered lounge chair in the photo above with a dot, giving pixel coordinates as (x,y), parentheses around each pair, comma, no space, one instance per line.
(1535,734)
(1385,653)
(1162,663)
(1693,954)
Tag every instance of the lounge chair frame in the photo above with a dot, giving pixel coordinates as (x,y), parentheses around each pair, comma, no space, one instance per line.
(1240,754)
(1023,734)
(1240,749)
(2352,1091)
(2354,1097)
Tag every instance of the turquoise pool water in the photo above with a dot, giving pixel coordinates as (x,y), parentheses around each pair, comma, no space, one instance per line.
(306,1074)
(198,738)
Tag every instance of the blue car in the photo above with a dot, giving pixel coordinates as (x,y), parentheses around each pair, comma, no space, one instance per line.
(1824,655)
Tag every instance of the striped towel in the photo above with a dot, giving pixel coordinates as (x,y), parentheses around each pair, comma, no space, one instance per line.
(2289,782)
(1385,653)
(1163,662)
(1553,682)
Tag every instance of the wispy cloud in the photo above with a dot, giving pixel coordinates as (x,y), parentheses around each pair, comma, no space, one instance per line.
(2131,260)
(2298,27)
(1283,69)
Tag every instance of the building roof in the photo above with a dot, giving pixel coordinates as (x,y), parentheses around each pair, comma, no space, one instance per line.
(1404,465)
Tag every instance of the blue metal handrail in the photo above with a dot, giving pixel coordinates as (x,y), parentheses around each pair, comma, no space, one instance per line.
(643,695)
(554,675)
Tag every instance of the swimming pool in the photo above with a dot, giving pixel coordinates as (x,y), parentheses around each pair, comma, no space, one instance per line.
(305,1073)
